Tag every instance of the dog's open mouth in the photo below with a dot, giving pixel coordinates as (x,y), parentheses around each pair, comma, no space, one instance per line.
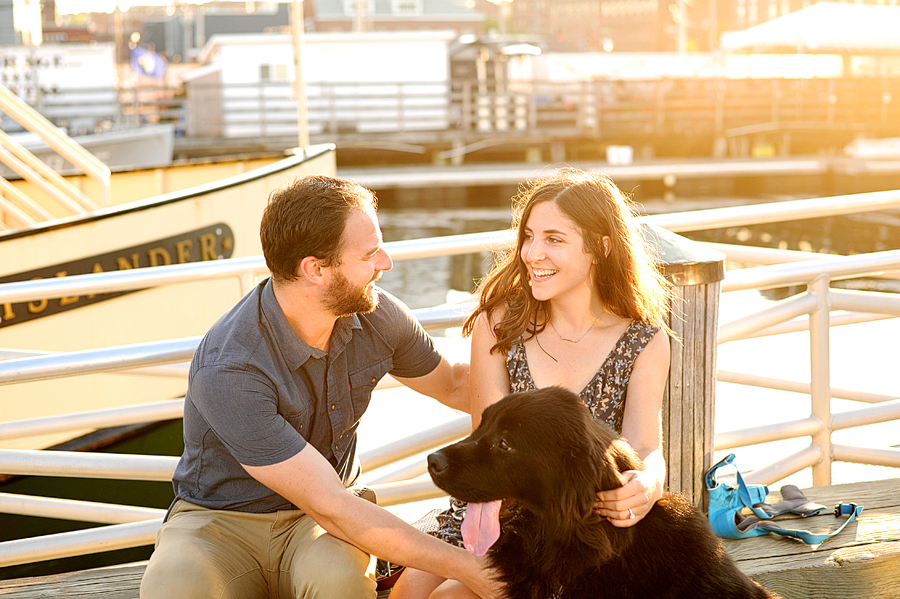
(484,522)
(481,526)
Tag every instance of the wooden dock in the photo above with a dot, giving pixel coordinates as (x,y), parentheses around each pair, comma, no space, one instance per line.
(863,562)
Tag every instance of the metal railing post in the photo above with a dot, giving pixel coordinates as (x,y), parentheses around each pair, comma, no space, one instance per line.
(820,375)
(247,282)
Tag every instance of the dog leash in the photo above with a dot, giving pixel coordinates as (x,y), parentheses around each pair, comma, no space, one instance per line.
(727,502)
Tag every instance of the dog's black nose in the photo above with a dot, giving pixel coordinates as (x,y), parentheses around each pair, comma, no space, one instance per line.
(437,463)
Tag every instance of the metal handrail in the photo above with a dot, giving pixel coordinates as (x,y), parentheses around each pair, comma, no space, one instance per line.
(838,267)
(35,122)
(26,164)
(773,212)
(80,542)
(154,353)
(46,172)
(817,302)
(73,509)
(138,534)
(452,245)
(147,412)
(92,361)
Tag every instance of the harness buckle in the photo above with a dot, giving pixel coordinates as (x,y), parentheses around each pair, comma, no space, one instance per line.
(844,509)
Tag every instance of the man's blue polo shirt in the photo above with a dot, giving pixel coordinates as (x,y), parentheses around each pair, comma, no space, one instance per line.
(257,394)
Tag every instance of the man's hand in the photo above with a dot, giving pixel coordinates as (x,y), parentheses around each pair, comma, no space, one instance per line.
(481,582)
(485,584)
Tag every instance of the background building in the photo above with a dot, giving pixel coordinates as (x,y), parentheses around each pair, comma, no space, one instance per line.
(392,15)
(645,25)
(20,22)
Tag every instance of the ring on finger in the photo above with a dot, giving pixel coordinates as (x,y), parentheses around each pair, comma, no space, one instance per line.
(630,514)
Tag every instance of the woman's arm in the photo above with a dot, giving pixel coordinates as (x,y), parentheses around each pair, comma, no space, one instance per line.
(488,376)
(641,427)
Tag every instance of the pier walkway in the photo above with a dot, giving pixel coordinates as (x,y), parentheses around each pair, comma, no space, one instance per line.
(862,562)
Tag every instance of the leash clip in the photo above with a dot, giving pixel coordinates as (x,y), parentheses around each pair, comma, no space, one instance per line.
(844,509)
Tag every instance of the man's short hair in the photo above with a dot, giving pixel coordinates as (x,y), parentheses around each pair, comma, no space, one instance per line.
(306,217)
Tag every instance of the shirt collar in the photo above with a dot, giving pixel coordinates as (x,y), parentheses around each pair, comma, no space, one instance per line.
(297,351)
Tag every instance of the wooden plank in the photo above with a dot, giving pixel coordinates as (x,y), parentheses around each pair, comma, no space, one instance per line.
(865,572)
(117,582)
(689,374)
(861,562)
(675,396)
(700,397)
(871,494)
(712,328)
(872,526)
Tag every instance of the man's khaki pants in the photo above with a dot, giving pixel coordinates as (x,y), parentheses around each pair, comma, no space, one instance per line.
(237,555)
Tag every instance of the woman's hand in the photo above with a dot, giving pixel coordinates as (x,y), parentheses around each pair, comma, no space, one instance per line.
(628,504)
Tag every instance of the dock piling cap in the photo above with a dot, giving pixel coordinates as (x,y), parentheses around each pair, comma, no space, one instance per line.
(683,261)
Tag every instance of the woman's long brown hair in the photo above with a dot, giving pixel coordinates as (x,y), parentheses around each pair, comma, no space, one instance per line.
(625,279)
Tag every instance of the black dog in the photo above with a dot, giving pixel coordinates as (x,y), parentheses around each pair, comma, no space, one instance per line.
(541,453)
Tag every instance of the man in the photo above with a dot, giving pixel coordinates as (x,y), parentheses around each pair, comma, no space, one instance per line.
(275,394)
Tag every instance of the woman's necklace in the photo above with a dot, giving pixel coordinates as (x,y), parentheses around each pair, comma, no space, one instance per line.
(583,335)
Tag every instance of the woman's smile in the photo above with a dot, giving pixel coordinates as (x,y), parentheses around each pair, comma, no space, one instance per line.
(553,251)
(540,275)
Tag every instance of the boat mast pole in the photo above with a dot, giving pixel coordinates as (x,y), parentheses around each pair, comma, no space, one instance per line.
(299,85)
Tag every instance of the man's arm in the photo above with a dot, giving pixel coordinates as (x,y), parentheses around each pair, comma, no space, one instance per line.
(308,481)
(447,383)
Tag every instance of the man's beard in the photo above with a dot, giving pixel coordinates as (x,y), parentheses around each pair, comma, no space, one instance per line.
(343,298)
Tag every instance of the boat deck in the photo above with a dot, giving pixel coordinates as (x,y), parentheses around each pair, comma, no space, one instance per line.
(862,562)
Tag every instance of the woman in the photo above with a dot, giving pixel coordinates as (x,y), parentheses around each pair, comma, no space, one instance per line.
(580,305)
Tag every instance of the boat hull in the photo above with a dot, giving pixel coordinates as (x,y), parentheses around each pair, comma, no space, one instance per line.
(213,221)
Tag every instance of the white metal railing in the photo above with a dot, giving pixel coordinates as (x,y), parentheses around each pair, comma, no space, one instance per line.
(808,311)
(36,172)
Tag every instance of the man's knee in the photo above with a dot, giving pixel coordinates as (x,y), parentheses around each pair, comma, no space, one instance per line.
(188,567)
(181,573)
(332,568)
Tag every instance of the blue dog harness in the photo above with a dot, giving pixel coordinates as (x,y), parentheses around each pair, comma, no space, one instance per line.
(726,504)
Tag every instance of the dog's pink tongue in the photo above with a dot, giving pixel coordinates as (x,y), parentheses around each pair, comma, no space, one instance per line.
(481,526)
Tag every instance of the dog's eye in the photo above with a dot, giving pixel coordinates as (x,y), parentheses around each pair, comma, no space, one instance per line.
(502,444)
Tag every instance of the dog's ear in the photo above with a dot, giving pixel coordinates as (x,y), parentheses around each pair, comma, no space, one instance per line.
(572,516)
(609,457)
(624,456)
(597,465)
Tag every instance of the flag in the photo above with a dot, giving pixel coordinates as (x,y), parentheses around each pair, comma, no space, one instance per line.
(147,62)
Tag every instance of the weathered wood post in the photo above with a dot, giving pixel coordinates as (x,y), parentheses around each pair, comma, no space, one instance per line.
(688,417)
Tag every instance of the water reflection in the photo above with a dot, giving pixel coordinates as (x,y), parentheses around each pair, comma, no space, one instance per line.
(425,282)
